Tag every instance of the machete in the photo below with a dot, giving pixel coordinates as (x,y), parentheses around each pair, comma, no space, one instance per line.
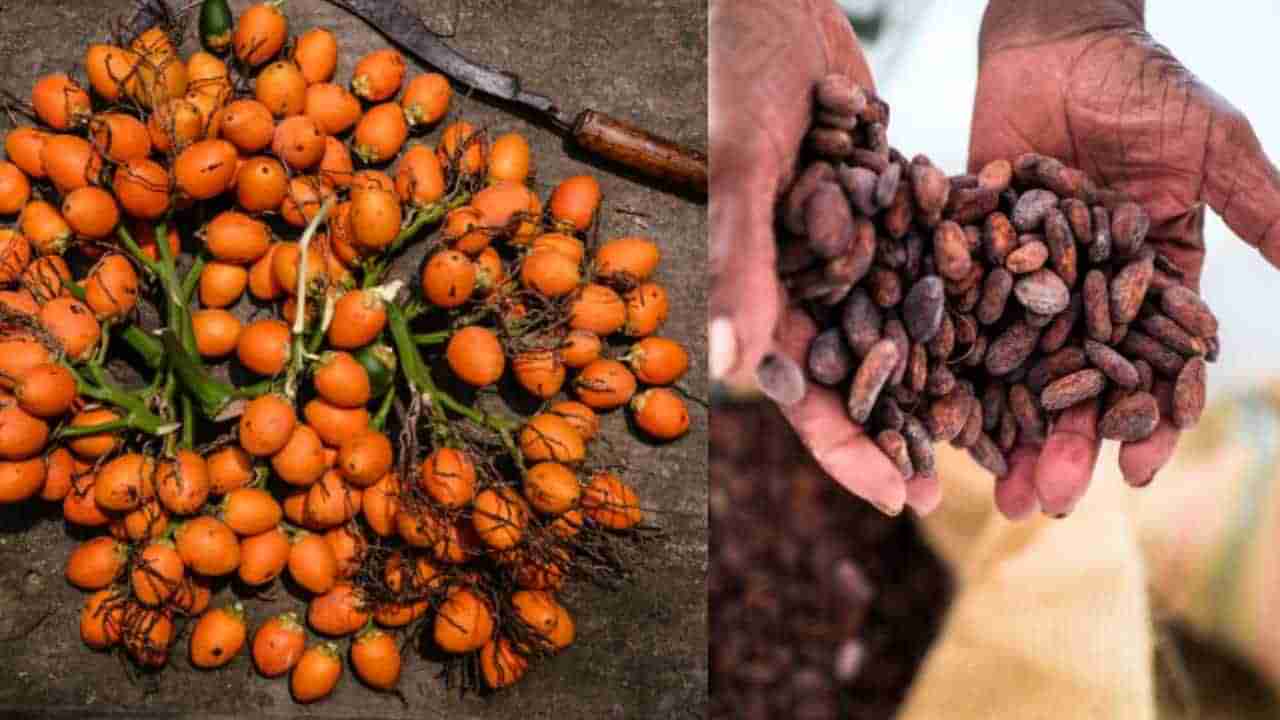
(593,131)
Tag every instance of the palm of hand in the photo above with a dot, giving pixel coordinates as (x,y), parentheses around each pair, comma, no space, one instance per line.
(1122,108)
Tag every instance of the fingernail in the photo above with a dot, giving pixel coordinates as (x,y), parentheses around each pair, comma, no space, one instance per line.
(889,510)
(722,348)
(780,379)
(1148,481)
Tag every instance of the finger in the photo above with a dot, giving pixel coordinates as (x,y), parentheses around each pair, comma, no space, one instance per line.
(838,444)
(1067,459)
(1140,461)
(1240,183)
(924,493)
(744,303)
(1016,491)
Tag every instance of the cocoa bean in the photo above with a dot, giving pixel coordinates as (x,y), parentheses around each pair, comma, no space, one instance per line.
(905,396)
(950,251)
(830,361)
(888,413)
(1113,364)
(1033,205)
(1062,180)
(940,382)
(919,445)
(1062,246)
(969,300)
(1036,320)
(894,445)
(1024,168)
(972,426)
(948,415)
(1080,218)
(976,354)
(836,120)
(887,185)
(996,175)
(873,161)
(862,322)
(1029,257)
(918,368)
(999,238)
(1100,248)
(828,221)
(793,208)
(870,378)
(1042,292)
(1073,389)
(1189,393)
(877,137)
(1132,419)
(895,332)
(1059,331)
(931,190)
(885,286)
(831,143)
(1011,348)
(1022,404)
(840,94)
(1146,376)
(968,205)
(913,244)
(1164,361)
(1172,335)
(1055,366)
(995,296)
(890,253)
(897,218)
(1097,306)
(943,343)
(1187,309)
(973,238)
(1007,434)
(987,454)
(963,182)
(993,405)
(1129,226)
(923,307)
(970,281)
(1118,334)
(876,111)
(860,184)
(1129,289)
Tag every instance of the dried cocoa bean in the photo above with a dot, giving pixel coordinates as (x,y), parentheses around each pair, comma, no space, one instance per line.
(793,210)
(948,415)
(1062,246)
(1118,334)
(1129,289)
(828,221)
(940,382)
(1011,348)
(1129,225)
(972,425)
(873,161)
(1080,218)
(1097,306)
(831,142)
(894,445)
(887,185)
(1062,180)
(999,238)
(987,454)
(1042,292)
(1146,376)
(919,445)
(962,286)
(885,286)
(1172,335)
(895,332)
(1058,365)
(963,182)
(1029,257)
(918,368)
(913,244)
(996,175)
(976,354)
(1132,419)
(839,94)
(1073,389)
(862,322)
(860,184)
(993,405)
(943,343)
(870,378)
(1113,365)
(1036,320)
(1033,205)
(969,300)
(1100,248)
(1164,361)
(1059,331)
(836,120)
(1189,393)
(1186,308)
(1024,168)
(973,238)
(830,361)
(897,218)
(931,190)
(877,137)
(951,252)
(923,308)
(1007,434)
(888,413)
(876,111)
(971,204)
(890,253)
(1022,404)
(995,296)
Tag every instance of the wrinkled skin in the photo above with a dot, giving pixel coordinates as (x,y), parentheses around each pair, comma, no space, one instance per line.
(766,57)
(1088,85)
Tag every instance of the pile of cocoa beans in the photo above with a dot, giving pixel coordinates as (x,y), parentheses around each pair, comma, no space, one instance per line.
(974,309)
(819,606)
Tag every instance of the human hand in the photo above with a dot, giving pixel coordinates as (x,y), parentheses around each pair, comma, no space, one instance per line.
(1085,83)
(764,67)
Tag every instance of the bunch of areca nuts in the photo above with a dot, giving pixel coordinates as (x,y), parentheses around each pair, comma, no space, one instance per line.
(973,309)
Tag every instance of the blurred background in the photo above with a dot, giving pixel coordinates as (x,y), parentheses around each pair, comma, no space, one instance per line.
(813,624)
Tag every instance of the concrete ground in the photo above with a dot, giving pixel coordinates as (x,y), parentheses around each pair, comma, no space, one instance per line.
(641,652)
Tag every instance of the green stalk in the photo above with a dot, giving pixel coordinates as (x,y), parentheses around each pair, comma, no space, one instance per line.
(188,422)
(426,216)
(436,338)
(379,420)
(298,352)
(211,396)
(192,281)
(145,344)
(136,415)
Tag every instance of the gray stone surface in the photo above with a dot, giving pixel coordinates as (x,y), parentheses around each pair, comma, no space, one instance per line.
(641,652)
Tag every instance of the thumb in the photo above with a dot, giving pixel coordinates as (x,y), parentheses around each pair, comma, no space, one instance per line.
(1240,183)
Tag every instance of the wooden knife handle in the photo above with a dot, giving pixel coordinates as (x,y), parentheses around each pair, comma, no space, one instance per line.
(642,151)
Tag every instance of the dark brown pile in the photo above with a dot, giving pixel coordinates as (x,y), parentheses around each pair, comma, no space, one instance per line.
(973,309)
(820,606)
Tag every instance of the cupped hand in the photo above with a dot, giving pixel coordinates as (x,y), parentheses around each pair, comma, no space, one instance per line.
(1084,82)
(766,58)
